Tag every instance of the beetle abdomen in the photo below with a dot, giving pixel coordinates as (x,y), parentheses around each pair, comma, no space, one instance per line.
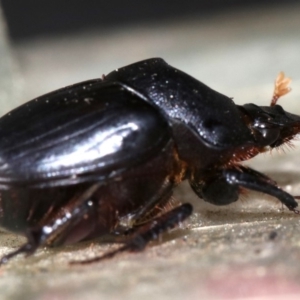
(93,135)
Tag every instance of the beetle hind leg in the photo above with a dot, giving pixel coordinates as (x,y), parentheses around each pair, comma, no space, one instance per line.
(148,232)
(27,249)
(55,230)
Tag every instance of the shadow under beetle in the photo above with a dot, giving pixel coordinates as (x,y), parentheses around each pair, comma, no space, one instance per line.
(103,156)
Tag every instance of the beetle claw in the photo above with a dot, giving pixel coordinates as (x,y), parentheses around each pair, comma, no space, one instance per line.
(27,249)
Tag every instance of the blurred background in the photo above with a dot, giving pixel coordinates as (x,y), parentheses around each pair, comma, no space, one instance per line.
(226,44)
(29,19)
(235,47)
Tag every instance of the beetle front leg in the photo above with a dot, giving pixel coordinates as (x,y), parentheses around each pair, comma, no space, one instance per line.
(253,182)
(223,188)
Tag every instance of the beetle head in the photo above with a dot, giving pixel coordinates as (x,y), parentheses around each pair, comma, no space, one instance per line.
(271,125)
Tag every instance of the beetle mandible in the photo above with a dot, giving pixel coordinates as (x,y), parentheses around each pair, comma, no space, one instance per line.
(103,156)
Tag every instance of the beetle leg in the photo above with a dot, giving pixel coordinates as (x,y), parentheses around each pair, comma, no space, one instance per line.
(257,174)
(127,227)
(215,190)
(148,232)
(226,184)
(254,182)
(27,248)
(161,197)
(52,232)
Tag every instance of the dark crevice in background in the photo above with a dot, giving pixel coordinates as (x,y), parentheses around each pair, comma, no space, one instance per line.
(32,18)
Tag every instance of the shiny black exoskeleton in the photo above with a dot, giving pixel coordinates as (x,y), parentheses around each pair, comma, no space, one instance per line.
(102,157)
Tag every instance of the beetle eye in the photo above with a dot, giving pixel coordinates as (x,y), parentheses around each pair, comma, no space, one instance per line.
(266,136)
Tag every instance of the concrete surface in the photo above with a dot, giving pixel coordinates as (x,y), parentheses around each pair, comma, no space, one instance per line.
(249,250)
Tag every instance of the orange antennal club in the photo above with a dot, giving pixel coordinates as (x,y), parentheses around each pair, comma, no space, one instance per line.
(281,87)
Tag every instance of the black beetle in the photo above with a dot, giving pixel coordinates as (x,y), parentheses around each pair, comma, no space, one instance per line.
(103,156)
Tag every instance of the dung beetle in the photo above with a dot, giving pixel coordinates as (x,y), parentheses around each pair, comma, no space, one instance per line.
(103,156)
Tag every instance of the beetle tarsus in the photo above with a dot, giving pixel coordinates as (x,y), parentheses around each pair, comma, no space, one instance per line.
(27,249)
(296,211)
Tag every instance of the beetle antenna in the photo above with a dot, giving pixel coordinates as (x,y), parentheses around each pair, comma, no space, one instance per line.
(281,87)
